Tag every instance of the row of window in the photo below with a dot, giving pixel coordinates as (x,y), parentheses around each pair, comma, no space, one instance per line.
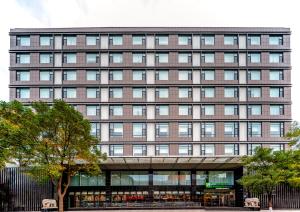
(185,129)
(161,40)
(187,149)
(140,58)
(137,75)
(160,93)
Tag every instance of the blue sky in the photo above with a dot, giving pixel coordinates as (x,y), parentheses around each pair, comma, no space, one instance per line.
(205,13)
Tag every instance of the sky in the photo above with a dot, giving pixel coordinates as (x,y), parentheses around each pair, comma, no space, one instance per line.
(130,13)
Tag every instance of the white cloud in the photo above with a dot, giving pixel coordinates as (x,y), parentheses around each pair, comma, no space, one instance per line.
(89,13)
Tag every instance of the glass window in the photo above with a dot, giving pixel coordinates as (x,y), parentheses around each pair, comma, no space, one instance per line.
(95,129)
(162,129)
(70,57)
(208,75)
(208,57)
(45,40)
(254,57)
(162,150)
(46,93)
(254,92)
(276,110)
(208,40)
(45,58)
(184,57)
(220,178)
(138,75)
(162,75)
(70,93)
(230,58)
(230,39)
(138,110)
(276,75)
(129,178)
(23,40)
(92,57)
(276,92)
(165,178)
(184,92)
(70,40)
(185,149)
(230,149)
(116,93)
(275,57)
(254,40)
(230,92)
(184,75)
(139,150)
(184,110)
(230,74)
(116,40)
(184,39)
(70,75)
(201,177)
(91,40)
(254,75)
(83,179)
(92,110)
(116,58)
(92,75)
(230,110)
(254,129)
(138,92)
(116,110)
(162,57)
(23,93)
(116,129)
(137,39)
(275,40)
(230,129)
(276,129)
(163,39)
(23,58)
(92,92)
(276,147)
(208,110)
(116,75)
(208,92)
(208,129)
(185,129)
(46,75)
(139,129)
(208,149)
(162,110)
(137,57)
(22,75)
(252,148)
(254,110)
(116,150)
(162,92)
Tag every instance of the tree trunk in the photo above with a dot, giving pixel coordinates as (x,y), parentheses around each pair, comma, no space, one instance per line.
(270,204)
(60,203)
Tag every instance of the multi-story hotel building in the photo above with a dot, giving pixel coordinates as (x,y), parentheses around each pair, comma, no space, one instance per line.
(174,108)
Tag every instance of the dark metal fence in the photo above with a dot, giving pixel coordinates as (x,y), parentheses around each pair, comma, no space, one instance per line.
(19,192)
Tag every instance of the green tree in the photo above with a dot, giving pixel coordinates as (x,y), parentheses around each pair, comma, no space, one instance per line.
(262,173)
(52,140)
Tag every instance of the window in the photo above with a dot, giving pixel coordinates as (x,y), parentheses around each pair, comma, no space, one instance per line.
(184,57)
(92,75)
(254,57)
(162,58)
(22,58)
(116,40)
(139,150)
(230,58)
(138,92)
(208,75)
(231,149)
(254,75)
(116,93)
(162,39)
(116,58)
(162,92)
(184,40)
(129,178)
(254,40)
(46,75)
(231,129)
(162,75)
(230,92)
(162,129)
(23,40)
(208,110)
(138,75)
(276,129)
(276,92)
(231,110)
(46,58)
(116,110)
(162,110)
(230,40)
(276,147)
(208,40)
(254,129)
(138,110)
(276,75)
(116,75)
(207,129)
(275,40)
(70,75)
(185,129)
(69,93)
(208,58)
(139,129)
(276,110)
(184,75)
(201,177)
(46,93)
(116,129)
(184,110)
(224,178)
(208,149)
(254,92)
(92,57)
(22,75)
(116,150)
(92,93)
(23,93)
(91,40)
(276,57)
(138,39)
(184,92)
(138,57)
(230,75)
(208,92)
(252,148)
(70,58)
(185,149)
(70,40)
(254,110)
(46,40)
(95,129)
(161,150)
(92,110)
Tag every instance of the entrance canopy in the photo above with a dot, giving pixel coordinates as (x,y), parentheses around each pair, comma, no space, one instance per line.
(172,162)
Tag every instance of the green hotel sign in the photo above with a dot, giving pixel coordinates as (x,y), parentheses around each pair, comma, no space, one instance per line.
(217,185)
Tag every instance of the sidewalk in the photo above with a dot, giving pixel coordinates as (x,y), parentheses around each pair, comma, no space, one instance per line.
(185,210)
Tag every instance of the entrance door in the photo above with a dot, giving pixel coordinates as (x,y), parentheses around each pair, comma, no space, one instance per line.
(219,197)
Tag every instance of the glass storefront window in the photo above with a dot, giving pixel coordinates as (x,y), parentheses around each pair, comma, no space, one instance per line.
(165,178)
(201,178)
(220,178)
(184,178)
(86,199)
(83,179)
(130,178)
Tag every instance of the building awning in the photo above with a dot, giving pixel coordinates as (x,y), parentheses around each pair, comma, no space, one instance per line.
(172,162)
